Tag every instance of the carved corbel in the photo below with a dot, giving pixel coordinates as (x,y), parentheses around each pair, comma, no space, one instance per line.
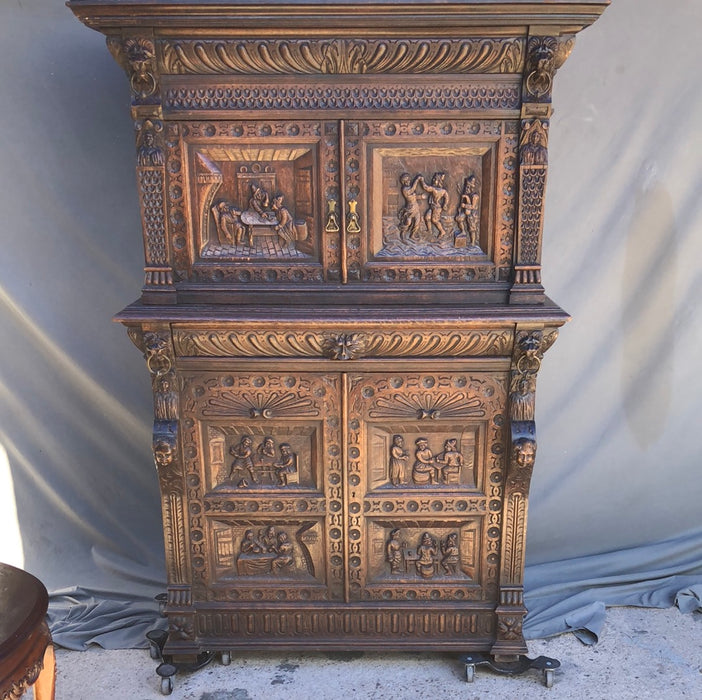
(529,348)
(137,57)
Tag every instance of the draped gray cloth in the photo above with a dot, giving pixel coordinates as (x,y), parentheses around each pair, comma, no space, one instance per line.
(615,503)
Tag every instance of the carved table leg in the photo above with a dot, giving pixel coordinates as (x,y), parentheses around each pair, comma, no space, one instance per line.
(45,685)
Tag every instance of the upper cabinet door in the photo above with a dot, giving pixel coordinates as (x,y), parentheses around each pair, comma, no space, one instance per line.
(259,197)
(430,201)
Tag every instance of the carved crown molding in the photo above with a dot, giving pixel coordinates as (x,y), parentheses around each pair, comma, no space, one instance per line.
(341,346)
(343,56)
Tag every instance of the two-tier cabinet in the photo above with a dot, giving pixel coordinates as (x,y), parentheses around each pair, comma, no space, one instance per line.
(342,313)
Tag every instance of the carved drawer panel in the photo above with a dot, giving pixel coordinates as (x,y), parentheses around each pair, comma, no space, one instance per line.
(426,460)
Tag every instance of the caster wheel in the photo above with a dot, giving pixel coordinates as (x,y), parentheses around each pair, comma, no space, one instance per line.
(549,674)
(166,671)
(470,673)
(226,658)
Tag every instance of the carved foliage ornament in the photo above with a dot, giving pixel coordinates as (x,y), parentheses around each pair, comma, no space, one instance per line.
(344,56)
(341,345)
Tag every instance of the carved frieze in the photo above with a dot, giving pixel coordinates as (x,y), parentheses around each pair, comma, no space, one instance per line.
(267,96)
(342,56)
(302,343)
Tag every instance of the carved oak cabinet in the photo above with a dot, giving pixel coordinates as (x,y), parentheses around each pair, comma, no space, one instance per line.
(342,313)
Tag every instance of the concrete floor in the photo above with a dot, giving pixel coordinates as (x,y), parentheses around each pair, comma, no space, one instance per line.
(642,653)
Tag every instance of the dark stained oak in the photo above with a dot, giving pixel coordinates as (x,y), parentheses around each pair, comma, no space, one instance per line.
(343,315)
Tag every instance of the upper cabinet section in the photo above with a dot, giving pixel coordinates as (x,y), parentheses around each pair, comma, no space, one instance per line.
(376,151)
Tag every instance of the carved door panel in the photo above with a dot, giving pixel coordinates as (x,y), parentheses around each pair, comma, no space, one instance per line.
(253,193)
(435,200)
(263,462)
(426,459)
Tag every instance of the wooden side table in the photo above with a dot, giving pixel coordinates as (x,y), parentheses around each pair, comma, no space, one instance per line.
(26,651)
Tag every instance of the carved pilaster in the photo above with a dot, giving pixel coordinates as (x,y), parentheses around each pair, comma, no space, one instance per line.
(151,179)
(545,54)
(158,352)
(529,347)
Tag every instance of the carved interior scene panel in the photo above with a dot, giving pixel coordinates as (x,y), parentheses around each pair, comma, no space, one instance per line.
(435,200)
(268,552)
(261,195)
(427,433)
(409,553)
(282,456)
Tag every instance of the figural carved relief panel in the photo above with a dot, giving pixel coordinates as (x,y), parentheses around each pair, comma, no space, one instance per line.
(426,467)
(265,453)
(438,199)
(261,193)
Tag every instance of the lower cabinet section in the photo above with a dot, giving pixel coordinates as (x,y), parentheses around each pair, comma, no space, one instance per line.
(345,501)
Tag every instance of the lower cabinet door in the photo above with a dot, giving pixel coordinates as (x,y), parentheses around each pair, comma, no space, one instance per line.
(263,460)
(426,459)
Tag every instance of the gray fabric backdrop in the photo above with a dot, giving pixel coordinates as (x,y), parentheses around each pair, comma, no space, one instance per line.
(615,506)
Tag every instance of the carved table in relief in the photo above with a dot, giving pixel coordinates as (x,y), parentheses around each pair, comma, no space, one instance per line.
(342,314)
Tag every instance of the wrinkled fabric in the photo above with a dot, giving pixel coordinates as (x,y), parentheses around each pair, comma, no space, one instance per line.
(614,513)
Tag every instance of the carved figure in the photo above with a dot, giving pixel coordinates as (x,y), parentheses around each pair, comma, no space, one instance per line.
(165,400)
(450,554)
(438,201)
(230,228)
(268,538)
(524,452)
(286,468)
(534,151)
(284,550)
(243,463)
(398,460)
(467,214)
(164,453)
(426,556)
(284,228)
(149,153)
(451,461)
(250,545)
(424,471)
(266,449)
(259,200)
(393,552)
(410,215)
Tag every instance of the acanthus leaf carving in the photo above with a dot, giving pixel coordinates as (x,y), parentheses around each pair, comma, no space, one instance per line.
(343,56)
